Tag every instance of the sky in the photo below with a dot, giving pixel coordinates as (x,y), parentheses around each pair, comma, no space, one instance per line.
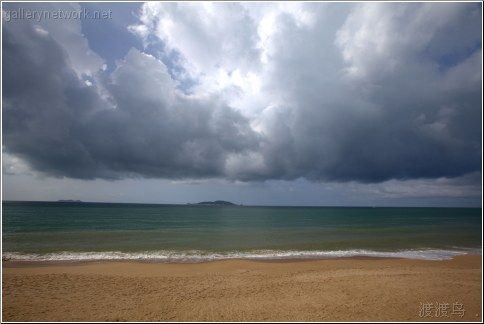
(320,104)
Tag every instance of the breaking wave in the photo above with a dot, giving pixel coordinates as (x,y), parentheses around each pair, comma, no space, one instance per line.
(204,256)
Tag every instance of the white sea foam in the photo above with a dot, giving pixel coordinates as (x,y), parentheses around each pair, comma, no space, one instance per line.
(201,256)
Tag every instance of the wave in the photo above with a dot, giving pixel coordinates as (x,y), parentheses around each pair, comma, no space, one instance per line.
(203,256)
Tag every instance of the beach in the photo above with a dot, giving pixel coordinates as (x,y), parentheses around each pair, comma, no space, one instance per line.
(344,289)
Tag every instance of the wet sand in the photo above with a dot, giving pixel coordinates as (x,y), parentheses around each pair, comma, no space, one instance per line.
(353,289)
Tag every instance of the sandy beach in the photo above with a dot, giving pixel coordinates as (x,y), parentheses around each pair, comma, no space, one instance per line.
(356,289)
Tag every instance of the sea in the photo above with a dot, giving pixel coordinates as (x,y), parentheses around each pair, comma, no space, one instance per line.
(81,231)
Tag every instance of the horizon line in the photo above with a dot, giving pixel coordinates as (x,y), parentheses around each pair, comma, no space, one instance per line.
(74,201)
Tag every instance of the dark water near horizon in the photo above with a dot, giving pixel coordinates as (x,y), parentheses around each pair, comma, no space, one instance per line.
(87,231)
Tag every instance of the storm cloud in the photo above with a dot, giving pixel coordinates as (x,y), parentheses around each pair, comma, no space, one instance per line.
(363,92)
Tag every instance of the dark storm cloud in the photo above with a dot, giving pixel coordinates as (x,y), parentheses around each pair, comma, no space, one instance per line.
(63,127)
(370,94)
(414,120)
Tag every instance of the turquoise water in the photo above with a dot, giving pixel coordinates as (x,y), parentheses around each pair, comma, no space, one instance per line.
(78,231)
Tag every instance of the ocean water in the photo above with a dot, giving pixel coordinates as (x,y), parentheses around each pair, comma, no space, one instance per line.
(189,233)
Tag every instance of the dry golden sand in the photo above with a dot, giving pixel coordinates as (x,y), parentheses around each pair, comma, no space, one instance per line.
(325,290)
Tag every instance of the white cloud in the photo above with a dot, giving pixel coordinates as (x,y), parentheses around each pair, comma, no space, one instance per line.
(218,44)
(149,75)
(461,187)
(378,39)
(203,33)
(14,165)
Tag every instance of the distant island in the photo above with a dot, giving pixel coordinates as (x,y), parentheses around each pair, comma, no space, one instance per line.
(216,203)
(69,201)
